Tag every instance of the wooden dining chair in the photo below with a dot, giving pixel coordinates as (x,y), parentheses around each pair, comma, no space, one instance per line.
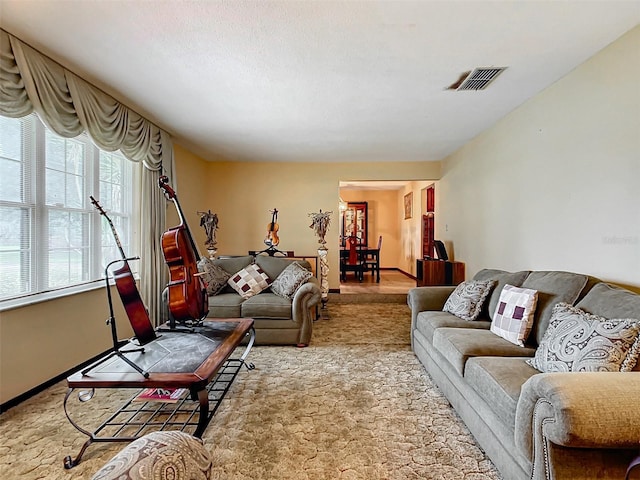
(352,259)
(372,260)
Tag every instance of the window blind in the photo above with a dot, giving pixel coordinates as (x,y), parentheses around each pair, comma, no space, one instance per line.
(51,237)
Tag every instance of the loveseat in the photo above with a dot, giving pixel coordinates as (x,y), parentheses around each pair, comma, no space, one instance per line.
(533,424)
(282,318)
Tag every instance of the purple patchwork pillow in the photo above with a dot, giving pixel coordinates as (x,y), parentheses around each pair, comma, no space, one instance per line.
(513,318)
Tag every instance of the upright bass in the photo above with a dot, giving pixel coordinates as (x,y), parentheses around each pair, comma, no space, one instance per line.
(187,293)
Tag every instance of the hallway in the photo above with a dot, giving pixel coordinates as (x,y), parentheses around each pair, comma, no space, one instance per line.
(391,281)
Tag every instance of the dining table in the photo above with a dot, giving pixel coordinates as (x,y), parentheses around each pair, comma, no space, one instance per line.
(371,255)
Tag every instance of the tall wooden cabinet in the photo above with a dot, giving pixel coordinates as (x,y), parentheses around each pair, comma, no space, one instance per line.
(355,221)
(428,223)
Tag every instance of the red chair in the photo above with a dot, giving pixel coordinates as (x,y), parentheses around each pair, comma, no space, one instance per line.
(352,259)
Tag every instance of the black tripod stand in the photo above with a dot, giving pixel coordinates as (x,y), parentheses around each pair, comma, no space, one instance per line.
(111,321)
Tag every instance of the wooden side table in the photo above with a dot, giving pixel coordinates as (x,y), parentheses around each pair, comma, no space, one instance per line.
(439,272)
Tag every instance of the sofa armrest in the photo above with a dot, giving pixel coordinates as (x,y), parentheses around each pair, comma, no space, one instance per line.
(421,299)
(307,296)
(586,410)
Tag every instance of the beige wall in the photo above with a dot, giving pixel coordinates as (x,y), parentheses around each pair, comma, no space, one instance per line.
(554,185)
(192,186)
(43,340)
(244,193)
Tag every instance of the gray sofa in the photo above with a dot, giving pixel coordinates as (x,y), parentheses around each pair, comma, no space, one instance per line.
(278,320)
(532,425)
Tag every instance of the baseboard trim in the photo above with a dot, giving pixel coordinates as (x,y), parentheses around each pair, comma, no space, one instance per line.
(406,274)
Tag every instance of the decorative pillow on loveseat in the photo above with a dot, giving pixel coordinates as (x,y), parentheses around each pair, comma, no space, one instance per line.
(577,341)
(215,277)
(249,281)
(286,284)
(513,318)
(467,299)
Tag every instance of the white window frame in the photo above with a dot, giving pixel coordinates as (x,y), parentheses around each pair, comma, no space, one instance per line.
(96,230)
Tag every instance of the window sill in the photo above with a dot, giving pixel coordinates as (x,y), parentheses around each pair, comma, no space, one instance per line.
(28,300)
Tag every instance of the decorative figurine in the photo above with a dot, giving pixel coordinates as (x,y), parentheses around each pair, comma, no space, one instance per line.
(320,223)
(209,221)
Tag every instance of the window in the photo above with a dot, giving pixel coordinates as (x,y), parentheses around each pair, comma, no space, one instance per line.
(51,236)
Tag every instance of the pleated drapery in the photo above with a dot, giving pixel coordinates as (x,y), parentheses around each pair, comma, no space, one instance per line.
(68,105)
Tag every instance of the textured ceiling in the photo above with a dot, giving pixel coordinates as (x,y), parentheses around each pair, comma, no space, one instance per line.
(319,80)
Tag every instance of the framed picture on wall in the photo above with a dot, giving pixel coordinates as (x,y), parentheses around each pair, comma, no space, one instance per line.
(408,205)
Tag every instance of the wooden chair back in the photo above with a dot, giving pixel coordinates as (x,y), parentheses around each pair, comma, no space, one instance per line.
(354,243)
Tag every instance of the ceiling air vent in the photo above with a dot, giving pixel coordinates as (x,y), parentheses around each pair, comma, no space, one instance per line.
(478,79)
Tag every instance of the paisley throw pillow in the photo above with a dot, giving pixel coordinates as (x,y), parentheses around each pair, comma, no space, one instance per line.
(577,341)
(286,284)
(467,299)
(214,276)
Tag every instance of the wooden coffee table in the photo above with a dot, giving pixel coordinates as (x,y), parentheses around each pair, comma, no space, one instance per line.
(197,361)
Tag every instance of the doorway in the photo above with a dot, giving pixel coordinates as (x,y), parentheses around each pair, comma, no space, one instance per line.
(389,216)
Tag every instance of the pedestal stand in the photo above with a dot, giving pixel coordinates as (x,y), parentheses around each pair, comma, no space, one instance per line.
(324,274)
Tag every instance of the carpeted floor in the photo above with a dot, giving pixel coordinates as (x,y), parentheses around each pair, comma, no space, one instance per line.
(355,404)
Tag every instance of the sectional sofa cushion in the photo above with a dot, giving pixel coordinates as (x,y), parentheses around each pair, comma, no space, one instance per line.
(553,287)
(225,305)
(267,305)
(577,341)
(502,278)
(457,345)
(513,318)
(233,264)
(274,265)
(467,299)
(610,301)
(498,381)
(428,321)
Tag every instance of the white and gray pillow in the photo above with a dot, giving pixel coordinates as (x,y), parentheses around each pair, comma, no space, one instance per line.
(286,284)
(577,341)
(214,276)
(513,318)
(249,281)
(467,299)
